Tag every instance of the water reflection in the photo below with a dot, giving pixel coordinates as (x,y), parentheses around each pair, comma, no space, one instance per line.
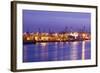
(74,50)
(56,51)
(43,44)
(83,50)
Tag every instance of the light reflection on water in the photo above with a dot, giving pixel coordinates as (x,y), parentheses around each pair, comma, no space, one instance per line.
(57,51)
(74,50)
(83,50)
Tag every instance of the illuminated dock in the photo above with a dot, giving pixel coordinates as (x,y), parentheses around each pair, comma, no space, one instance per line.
(55,37)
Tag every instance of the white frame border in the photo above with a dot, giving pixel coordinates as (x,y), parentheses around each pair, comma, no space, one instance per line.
(21,65)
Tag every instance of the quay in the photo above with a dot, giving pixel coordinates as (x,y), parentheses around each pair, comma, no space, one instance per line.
(29,38)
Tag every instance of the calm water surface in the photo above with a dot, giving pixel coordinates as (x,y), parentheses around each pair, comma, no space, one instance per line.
(57,51)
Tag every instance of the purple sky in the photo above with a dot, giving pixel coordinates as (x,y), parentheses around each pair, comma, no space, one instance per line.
(55,21)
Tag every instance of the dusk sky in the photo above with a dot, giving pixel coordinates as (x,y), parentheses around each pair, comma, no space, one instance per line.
(45,21)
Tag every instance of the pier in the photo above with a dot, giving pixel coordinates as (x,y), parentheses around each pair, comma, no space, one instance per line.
(29,38)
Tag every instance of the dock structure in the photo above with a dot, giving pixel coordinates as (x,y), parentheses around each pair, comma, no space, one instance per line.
(55,37)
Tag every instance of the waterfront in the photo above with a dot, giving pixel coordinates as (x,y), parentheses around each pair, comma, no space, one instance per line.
(56,36)
(57,51)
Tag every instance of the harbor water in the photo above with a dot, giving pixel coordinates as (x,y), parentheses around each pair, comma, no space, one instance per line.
(57,51)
